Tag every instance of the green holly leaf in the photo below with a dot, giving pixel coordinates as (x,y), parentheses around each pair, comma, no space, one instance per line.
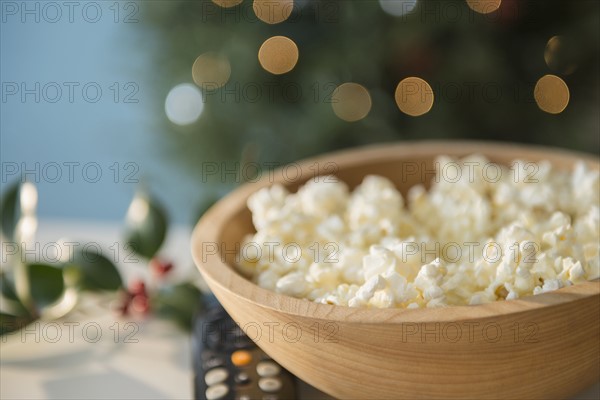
(10,323)
(146,225)
(90,270)
(9,211)
(46,284)
(178,303)
(7,287)
(11,301)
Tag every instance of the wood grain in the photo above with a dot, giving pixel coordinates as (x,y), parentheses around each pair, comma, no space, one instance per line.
(544,346)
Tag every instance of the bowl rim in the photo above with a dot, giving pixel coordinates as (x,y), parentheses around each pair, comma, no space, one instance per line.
(218,273)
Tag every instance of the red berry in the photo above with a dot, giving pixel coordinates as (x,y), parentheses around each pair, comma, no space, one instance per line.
(161,268)
(137,287)
(140,304)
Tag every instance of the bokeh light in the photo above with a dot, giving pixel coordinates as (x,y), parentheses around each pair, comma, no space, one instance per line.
(551,94)
(278,55)
(211,70)
(184,104)
(398,8)
(227,3)
(351,102)
(273,11)
(484,6)
(414,96)
(561,55)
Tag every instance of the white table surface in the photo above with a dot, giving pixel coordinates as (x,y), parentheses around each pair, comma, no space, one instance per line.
(153,363)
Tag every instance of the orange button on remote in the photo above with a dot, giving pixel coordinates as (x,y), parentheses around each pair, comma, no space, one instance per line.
(241,358)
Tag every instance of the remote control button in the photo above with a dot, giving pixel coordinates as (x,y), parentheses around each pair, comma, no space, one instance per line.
(269,385)
(241,358)
(216,392)
(267,369)
(213,362)
(215,376)
(242,378)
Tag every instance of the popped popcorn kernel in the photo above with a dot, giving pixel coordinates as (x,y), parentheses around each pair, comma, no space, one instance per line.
(481,233)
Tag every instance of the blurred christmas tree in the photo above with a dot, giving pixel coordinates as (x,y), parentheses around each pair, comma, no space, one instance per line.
(482,59)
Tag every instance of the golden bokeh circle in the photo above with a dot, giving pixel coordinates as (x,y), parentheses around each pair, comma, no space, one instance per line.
(560,56)
(273,11)
(351,102)
(211,70)
(551,94)
(227,3)
(278,55)
(414,96)
(484,6)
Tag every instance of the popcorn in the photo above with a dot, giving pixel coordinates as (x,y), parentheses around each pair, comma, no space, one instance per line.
(323,275)
(400,288)
(382,299)
(549,285)
(576,272)
(350,265)
(268,279)
(292,284)
(512,295)
(593,269)
(431,274)
(323,197)
(485,296)
(265,205)
(378,261)
(367,291)
(515,231)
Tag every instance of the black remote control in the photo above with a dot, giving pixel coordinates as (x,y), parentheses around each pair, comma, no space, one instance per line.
(228,365)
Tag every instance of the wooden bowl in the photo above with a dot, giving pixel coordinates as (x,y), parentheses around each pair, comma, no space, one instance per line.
(544,346)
